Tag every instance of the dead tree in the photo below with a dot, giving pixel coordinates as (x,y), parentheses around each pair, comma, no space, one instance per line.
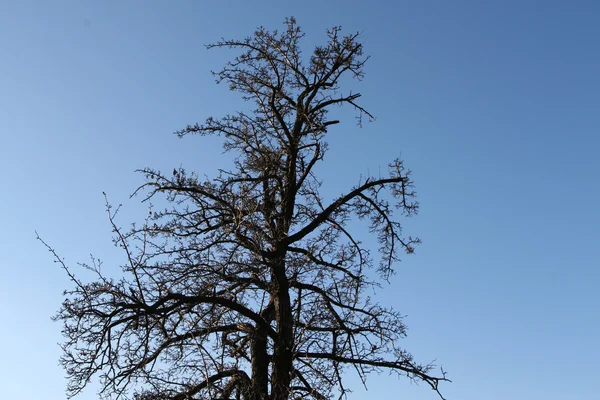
(250,285)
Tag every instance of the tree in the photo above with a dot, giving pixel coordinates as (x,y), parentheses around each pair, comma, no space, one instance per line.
(250,285)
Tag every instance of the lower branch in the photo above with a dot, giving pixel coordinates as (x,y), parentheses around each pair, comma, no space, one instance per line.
(404,366)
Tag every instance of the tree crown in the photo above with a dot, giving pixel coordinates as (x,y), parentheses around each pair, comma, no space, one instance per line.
(250,284)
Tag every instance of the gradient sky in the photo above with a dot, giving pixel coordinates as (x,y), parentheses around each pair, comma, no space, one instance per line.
(495,106)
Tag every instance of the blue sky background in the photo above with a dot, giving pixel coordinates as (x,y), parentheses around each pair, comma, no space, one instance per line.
(493,104)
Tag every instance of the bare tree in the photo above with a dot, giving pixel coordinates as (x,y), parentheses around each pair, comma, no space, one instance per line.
(250,285)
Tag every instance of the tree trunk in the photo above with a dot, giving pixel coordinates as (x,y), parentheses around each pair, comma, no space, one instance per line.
(259,389)
(282,355)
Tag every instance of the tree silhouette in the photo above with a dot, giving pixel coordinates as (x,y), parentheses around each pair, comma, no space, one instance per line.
(250,285)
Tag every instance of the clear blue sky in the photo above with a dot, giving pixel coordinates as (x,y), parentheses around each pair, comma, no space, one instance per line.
(495,106)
